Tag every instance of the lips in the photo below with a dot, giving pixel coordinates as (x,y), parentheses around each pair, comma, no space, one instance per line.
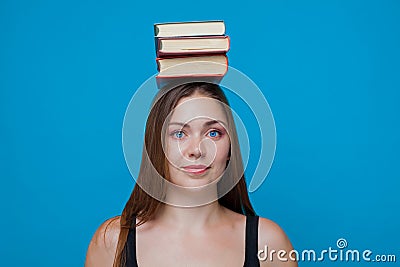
(196,169)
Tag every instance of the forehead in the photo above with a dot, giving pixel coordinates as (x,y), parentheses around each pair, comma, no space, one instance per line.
(189,108)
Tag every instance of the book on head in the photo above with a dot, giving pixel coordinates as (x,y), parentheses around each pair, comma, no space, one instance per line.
(208,65)
(192,28)
(192,45)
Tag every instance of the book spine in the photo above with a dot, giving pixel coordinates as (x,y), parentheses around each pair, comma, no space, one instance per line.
(156,30)
(157,45)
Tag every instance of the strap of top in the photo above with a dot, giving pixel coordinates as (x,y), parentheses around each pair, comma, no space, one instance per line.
(251,259)
(130,246)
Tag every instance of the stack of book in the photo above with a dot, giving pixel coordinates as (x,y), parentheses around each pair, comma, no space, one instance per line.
(191,50)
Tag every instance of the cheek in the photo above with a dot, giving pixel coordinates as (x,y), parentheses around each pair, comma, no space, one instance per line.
(222,151)
(173,152)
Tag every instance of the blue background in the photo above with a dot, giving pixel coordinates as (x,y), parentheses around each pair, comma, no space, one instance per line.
(329,70)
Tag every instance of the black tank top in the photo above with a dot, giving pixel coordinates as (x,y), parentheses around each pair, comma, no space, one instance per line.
(251,245)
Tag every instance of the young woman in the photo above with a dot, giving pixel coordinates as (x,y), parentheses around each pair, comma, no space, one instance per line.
(190,205)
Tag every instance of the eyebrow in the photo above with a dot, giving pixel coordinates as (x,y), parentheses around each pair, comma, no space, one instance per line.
(208,123)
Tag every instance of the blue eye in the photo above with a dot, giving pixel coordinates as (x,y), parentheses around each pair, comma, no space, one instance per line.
(214,133)
(178,134)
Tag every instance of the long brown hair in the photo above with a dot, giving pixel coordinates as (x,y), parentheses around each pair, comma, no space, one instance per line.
(141,204)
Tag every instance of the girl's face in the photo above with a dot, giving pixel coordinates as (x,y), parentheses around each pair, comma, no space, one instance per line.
(197,143)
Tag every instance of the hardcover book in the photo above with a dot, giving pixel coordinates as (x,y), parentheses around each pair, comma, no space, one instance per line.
(192,45)
(209,65)
(193,28)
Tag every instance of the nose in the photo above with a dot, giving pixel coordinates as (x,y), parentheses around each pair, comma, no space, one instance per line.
(193,150)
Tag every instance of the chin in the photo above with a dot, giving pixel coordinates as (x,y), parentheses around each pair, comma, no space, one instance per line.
(191,182)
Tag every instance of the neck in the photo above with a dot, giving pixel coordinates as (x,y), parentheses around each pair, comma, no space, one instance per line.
(179,196)
(191,208)
(191,217)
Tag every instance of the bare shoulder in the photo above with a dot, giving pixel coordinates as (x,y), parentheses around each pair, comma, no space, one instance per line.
(271,233)
(272,237)
(102,247)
